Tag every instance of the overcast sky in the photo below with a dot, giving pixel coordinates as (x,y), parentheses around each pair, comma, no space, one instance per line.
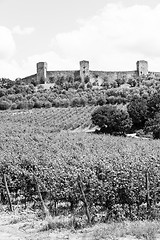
(111,34)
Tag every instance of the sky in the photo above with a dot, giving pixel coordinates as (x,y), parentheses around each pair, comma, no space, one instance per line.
(111,34)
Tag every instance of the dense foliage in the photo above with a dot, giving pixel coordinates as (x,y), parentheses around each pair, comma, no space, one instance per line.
(112,119)
(72,92)
(138,111)
(113,169)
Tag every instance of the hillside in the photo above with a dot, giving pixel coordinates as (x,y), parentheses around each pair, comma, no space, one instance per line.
(39,148)
(45,120)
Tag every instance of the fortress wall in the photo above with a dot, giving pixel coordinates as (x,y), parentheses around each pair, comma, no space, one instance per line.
(104,75)
(29,79)
(154,74)
(44,76)
(111,76)
(57,74)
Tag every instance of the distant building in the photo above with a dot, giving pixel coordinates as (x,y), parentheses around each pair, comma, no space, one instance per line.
(43,76)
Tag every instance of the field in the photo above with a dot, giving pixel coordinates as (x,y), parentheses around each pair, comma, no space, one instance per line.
(46,120)
(120,177)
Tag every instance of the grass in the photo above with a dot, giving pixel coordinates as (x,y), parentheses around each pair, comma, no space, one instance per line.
(127,230)
(58,222)
(138,229)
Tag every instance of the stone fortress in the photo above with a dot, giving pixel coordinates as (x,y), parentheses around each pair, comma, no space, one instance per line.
(45,77)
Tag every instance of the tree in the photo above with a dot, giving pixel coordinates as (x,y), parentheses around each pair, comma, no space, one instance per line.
(82,86)
(22,104)
(4,105)
(89,85)
(2,92)
(138,111)
(153,104)
(120,81)
(47,104)
(75,102)
(111,119)
(86,79)
(101,101)
(153,125)
(132,82)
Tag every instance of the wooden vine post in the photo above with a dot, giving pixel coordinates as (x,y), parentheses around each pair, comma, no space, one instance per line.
(45,209)
(84,200)
(148,191)
(8,192)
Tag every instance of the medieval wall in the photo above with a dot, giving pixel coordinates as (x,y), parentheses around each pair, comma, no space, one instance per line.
(111,76)
(30,79)
(53,75)
(154,74)
(44,76)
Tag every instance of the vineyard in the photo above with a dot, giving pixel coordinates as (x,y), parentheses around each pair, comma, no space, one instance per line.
(114,175)
(45,120)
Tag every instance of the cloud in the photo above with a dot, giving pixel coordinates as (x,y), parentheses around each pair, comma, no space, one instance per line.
(7,44)
(25,31)
(55,62)
(10,69)
(115,38)
(8,66)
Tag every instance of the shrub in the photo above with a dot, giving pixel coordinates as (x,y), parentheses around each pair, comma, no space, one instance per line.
(30,104)
(89,85)
(2,92)
(22,105)
(86,79)
(154,104)
(153,125)
(47,104)
(14,106)
(156,132)
(83,101)
(112,120)
(64,103)
(82,86)
(111,100)
(4,105)
(40,88)
(76,85)
(77,79)
(120,81)
(38,104)
(55,103)
(101,101)
(75,102)
(138,111)
(132,82)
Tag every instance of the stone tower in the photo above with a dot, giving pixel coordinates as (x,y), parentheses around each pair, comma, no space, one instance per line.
(84,69)
(41,72)
(142,67)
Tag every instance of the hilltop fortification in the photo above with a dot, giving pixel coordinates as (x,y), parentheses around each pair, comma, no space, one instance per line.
(43,76)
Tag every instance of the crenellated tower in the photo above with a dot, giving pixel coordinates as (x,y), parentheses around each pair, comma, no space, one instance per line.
(84,69)
(41,72)
(142,67)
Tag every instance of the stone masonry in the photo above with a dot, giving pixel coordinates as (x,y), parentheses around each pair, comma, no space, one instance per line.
(43,76)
